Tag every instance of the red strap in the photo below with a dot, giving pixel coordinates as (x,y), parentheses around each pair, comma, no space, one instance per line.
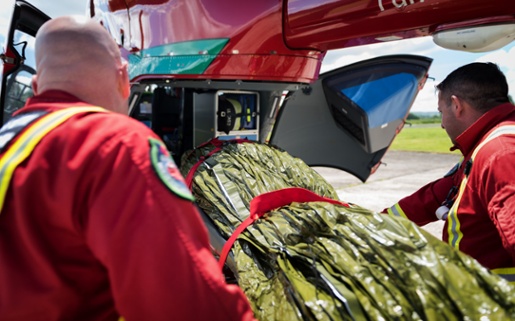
(266,202)
(193,169)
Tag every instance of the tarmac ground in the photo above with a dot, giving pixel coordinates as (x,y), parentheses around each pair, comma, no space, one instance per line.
(400,174)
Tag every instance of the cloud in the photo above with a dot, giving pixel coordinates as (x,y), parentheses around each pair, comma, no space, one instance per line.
(501,57)
(5,19)
(427,98)
(49,7)
(336,58)
(504,59)
(444,61)
(61,8)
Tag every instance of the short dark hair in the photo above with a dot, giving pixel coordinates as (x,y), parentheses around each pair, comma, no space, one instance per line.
(482,85)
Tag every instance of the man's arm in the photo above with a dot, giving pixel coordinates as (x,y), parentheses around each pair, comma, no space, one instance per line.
(498,182)
(420,207)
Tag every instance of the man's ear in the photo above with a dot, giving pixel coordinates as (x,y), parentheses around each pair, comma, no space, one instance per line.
(457,105)
(123,81)
(35,84)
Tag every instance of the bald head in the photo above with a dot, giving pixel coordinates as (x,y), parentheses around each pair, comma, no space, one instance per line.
(77,55)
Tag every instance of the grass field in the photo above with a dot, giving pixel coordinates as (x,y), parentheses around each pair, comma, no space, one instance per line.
(423,138)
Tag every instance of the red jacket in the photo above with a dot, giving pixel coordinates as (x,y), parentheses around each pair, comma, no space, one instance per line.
(89,231)
(485,224)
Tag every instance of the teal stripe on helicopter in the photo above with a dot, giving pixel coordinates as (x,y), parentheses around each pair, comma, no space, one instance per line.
(189,57)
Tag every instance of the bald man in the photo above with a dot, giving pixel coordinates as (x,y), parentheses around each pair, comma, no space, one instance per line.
(95,220)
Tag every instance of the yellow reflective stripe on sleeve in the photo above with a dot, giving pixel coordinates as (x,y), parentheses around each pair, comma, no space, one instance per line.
(27,141)
(396,210)
(506,273)
(453,228)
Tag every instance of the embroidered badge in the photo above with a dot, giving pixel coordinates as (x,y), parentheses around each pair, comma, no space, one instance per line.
(167,171)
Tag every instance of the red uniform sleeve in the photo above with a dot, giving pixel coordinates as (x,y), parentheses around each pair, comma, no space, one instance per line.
(152,242)
(420,207)
(498,177)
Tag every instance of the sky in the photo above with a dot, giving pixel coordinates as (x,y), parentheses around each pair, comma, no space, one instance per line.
(444,60)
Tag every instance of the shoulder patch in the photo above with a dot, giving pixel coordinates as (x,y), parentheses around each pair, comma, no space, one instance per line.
(167,171)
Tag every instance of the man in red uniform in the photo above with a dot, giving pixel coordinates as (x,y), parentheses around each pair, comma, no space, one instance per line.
(477,198)
(96,222)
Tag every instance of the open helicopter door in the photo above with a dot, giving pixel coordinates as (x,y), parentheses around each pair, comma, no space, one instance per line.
(349,117)
(17,56)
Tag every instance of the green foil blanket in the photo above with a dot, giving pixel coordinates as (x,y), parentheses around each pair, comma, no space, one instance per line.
(323,261)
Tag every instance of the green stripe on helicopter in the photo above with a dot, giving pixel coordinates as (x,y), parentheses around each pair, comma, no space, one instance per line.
(189,57)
